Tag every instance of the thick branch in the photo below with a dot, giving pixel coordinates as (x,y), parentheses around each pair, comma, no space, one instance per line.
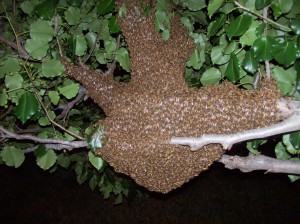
(289,125)
(56,144)
(251,163)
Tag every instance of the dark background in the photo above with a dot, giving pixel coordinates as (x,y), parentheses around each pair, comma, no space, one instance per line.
(30,195)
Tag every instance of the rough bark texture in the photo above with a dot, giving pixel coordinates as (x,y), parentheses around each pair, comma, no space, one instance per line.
(157,105)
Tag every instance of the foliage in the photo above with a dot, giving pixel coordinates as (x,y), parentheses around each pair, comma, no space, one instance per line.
(235,41)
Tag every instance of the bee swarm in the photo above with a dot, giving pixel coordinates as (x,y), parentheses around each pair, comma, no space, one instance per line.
(156,105)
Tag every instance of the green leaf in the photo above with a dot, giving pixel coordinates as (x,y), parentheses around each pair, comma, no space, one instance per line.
(27,7)
(3,98)
(63,160)
(293,178)
(95,139)
(217,56)
(48,160)
(119,199)
(46,9)
(295,139)
(230,48)
(36,48)
(113,25)
(72,15)
(12,156)
(295,26)
(106,189)
(104,30)
(195,5)
(122,57)
(52,68)
(284,5)
(28,105)
(260,4)
(196,60)
(42,31)
(69,90)
(252,147)
(43,121)
(214,27)
(10,65)
(54,97)
(105,6)
(91,39)
(280,152)
(14,81)
(213,6)
(260,29)
(96,161)
(289,146)
(81,172)
(232,72)
(248,38)
(110,46)
(75,3)
(73,130)
(159,20)
(122,10)
(284,52)
(93,182)
(262,48)
(161,5)
(284,76)
(211,76)
(250,64)
(81,45)
(239,26)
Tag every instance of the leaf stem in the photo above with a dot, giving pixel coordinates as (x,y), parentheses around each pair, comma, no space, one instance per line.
(262,17)
(52,121)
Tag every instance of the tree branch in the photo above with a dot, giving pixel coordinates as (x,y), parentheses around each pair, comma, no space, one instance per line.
(55,144)
(67,107)
(262,17)
(289,125)
(261,162)
(52,121)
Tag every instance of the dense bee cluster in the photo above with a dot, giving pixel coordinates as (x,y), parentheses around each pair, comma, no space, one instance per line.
(157,105)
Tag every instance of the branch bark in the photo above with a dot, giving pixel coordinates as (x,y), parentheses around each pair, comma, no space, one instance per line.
(288,108)
(289,125)
(56,144)
(261,162)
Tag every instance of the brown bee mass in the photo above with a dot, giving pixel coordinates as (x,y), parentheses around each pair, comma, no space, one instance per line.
(156,105)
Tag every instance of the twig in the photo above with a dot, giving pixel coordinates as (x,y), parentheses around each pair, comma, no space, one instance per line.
(52,121)
(56,144)
(267,63)
(289,125)
(261,162)
(262,17)
(23,54)
(29,130)
(67,107)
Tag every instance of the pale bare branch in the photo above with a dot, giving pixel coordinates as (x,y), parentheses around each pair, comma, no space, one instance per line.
(56,144)
(261,162)
(289,125)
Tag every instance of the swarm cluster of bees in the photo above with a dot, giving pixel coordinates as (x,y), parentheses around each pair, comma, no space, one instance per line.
(156,105)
